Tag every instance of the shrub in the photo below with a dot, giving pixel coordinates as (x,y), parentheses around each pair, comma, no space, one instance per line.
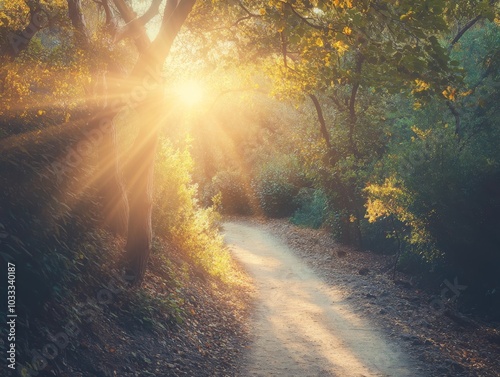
(178,217)
(234,194)
(312,208)
(277,183)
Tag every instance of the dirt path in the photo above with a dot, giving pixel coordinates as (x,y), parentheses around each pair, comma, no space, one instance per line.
(301,326)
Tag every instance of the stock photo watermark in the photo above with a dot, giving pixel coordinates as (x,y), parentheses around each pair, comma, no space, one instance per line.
(11,315)
(20,40)
(75,155)
(87,312)
(449,294)
(57,342)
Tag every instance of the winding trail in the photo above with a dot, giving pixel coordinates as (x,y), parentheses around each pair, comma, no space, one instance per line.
(301,326)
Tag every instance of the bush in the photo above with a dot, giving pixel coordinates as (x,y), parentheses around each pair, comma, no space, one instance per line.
(376,236)
(276,185)
(234,194)
(178,217)
(444,199)
(312,208)
(411,263)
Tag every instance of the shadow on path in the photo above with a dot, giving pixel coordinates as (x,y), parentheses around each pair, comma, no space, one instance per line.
(301,326)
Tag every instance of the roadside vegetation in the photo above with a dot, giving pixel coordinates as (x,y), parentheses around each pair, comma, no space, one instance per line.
(125,136)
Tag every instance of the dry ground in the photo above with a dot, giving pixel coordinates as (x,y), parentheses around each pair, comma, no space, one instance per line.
(436,343)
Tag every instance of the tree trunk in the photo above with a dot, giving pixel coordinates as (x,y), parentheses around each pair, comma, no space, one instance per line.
(18,41)
(141,164)
(78,21)
(140,170)
(352,107)
(111,188)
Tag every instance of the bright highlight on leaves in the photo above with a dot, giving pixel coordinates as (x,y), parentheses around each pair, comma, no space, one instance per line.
(450,93)
(341,47)
(421,86)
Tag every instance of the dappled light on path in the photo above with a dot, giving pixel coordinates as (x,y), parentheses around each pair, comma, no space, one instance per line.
(301,326)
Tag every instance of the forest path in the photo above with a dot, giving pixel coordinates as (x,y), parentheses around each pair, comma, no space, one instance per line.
(301,326)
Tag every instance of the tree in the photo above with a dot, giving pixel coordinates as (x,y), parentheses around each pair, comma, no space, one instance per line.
(127,215)
(351,56)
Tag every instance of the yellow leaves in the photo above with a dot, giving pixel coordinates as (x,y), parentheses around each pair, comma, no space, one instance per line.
(375,209)
(467,93)
(422,134)
(421,86)
(343,4)
(326,59)
(262,11)
(382,199)
(26,85)
(341,47)
(407,16)
(13,13)
(347,30)
(319,42)
(450,93)
(392,198)
(417,105)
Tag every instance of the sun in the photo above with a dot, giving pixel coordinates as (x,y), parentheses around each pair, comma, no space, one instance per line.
(190,92)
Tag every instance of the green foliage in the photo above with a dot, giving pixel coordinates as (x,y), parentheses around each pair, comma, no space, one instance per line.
(178,217)
(235,197)
(411,263)
(379,236)
(276,185)
(312,208)
(439,180)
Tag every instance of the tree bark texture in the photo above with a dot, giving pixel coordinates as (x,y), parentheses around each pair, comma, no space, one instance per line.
(141,164)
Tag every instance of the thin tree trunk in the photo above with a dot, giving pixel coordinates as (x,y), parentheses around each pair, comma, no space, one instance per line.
(115,208)
(352,101)
(322,124)
(140,174)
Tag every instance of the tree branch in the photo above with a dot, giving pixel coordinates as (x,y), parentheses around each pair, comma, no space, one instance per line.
(306,20)
(19,40)
(111,23)
(142,41)
(337,102)
(78,21)
(462,31)
(321,119)
(458,121)
(135,28)
(352,101)
(247,11)
(355,87)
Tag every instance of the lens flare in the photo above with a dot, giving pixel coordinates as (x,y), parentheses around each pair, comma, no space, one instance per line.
(190,92)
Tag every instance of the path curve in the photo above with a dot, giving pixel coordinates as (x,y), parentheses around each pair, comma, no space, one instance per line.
(301,326)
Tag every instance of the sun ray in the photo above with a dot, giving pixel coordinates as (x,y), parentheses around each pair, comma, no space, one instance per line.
(189,93)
